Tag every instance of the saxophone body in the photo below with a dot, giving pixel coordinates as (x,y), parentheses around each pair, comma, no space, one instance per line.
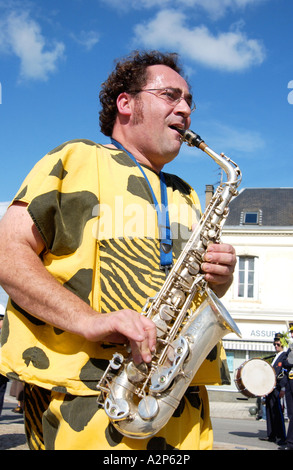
(140,399)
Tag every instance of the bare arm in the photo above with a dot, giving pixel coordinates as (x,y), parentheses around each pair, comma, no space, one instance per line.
(33,288)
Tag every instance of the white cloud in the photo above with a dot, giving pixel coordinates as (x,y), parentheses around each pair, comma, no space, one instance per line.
(215,8)
(230,51)
(87,39)
(21,36)
(218,8)
(238,143)
(235,140)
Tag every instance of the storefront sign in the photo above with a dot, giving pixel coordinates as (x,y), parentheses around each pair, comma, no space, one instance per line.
(259,331)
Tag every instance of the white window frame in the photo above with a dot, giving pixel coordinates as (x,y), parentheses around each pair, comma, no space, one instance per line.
(245,297)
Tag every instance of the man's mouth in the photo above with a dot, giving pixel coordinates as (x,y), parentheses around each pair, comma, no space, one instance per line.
(178,128)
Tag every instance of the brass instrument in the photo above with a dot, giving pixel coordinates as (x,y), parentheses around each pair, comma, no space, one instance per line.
(139,400)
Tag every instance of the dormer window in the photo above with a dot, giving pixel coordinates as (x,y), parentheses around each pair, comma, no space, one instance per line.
(251,217)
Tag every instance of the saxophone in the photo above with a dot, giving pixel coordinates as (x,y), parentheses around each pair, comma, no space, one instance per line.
(140,399)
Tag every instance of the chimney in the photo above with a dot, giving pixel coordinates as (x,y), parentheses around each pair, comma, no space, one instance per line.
(209,193)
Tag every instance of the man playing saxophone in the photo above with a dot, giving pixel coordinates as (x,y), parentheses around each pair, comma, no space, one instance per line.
(78,273)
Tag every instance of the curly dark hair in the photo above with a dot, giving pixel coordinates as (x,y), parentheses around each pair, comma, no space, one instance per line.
(129,75)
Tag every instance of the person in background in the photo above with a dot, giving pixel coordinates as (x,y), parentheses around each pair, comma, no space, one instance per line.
(288,369)
(17,391)
(274,414)
(261,409)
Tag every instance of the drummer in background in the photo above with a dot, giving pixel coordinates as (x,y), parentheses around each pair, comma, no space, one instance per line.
(288,368)
(275,419)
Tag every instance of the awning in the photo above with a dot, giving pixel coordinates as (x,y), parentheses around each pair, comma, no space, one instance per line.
(249,345)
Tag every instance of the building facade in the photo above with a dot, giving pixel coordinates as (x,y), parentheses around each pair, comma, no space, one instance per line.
(260,300)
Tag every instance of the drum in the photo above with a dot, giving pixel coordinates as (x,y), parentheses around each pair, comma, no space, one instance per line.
(255,378)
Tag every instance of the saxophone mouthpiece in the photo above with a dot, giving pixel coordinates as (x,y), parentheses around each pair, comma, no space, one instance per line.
(192,139)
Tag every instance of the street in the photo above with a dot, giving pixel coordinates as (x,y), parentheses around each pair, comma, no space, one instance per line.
(12,435)
(243,434)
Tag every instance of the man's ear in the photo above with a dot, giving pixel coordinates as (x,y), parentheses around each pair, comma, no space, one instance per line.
(123,104)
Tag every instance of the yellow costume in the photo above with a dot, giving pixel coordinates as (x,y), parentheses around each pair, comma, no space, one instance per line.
(94,211)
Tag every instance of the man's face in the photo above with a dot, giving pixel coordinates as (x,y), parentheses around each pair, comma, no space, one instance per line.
(278,346)
(153,116)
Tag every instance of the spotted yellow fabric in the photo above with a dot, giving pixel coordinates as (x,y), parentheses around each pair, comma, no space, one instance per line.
(94,211)
(78,423)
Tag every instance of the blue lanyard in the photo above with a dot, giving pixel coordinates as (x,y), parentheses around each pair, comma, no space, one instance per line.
(166,258)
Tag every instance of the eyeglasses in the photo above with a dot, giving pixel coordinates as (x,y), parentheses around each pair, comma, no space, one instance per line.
(277,344)
(172,96)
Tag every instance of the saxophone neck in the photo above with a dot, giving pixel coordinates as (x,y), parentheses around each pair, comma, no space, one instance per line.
(231,169)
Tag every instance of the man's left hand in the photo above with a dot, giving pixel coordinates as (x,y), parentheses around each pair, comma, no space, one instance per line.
(218,267)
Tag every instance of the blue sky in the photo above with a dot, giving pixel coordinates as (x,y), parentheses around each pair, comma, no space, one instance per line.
(237,55)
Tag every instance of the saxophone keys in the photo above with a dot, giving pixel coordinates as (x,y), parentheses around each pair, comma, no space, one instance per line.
(116,361)
(226,211)
(212,234)
(200,251)
(161,325)
(177,297)
(193,267)
(165,374)
(136,373)
(186,277)
(166,313)
(219,211)
(148,407)
(116,409)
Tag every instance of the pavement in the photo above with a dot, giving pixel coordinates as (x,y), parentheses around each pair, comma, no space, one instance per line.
(12,436)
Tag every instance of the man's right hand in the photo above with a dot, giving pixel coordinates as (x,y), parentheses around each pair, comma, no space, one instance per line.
(127,326)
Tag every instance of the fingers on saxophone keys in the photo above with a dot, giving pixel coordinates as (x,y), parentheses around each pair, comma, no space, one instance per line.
(140,352)
(223,255)
(143,347)
(216,269)
(148,346)
(137,355)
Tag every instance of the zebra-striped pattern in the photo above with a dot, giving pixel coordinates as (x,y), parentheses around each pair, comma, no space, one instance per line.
(36,403)
(129,273)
